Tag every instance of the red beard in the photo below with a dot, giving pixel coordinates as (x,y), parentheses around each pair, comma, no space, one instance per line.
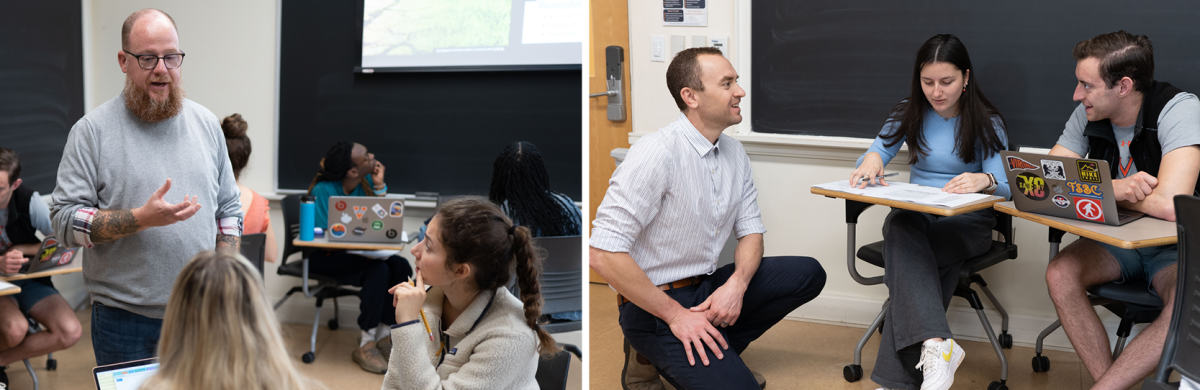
(145,107)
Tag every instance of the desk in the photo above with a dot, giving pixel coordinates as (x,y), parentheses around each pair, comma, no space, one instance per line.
(76,266)
(1145,232)
(7,288)
(936,210)
(323,243)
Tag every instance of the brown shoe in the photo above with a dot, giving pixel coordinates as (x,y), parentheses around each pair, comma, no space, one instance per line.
(762,380)
(384,345)
(638,373)
(367,357)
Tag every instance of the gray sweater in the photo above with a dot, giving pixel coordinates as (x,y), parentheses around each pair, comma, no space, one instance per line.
(488,346)
(114,160)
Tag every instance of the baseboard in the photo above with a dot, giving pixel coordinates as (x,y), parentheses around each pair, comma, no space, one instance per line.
(859,312)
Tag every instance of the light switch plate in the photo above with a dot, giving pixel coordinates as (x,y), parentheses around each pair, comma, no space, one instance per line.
(658,48)
(699,41)
(677,44)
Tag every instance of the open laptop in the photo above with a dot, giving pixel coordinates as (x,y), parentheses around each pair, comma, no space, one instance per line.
(1072,188)
(365,219)
(49,255)
(124,376)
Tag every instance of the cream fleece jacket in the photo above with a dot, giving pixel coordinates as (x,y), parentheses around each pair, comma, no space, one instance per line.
(488,346)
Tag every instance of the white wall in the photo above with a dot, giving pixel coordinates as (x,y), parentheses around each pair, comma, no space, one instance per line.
(799,223)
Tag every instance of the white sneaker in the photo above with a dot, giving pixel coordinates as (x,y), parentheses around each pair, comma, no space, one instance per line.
(938,362)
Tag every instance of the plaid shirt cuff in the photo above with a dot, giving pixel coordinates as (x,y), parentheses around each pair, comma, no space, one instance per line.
(82,225)
(230,226)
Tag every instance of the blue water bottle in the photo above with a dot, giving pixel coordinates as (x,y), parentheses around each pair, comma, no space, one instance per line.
(307,211)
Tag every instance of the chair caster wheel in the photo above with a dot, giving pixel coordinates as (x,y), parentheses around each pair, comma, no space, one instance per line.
(1005,340)
(308,357)
(333,324)
(1041,364)
(52,364)
(852,372)
(997,386)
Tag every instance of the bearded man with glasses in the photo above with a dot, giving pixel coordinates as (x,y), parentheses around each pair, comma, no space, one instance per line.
(123,165)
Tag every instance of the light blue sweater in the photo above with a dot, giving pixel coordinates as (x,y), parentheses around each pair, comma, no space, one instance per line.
(942,163)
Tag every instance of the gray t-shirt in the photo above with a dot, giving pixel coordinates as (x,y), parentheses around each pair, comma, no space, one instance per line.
(1178,126)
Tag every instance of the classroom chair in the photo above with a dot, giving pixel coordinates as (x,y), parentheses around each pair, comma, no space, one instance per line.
(1132,301)
(1181,351)
(562,278)
(326,288)
(51,363)
(552,372)
(254,248)
(873,254)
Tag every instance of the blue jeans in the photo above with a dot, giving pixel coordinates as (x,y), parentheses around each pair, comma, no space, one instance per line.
(120,336)
(780,285)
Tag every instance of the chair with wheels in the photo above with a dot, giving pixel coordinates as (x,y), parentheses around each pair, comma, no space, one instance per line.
(552,372)
(1181,351)
(51,362)
(873,254)
(326,288)
(1132,301)
(562,278)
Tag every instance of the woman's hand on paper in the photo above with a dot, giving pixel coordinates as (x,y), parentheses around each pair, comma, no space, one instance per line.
(871,168)
(967,183)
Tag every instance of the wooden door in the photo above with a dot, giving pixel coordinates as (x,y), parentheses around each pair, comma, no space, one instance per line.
(610,26)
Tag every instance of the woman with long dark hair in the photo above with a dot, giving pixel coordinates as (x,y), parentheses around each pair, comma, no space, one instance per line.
(468,331)
(521,187)
(954,137)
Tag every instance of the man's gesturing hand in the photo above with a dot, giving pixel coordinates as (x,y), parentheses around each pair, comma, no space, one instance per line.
(723,307)
(157,212)
(693,329)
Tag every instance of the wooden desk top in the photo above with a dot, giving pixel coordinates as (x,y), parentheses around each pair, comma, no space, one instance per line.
(76,266)
(322,242)
(7,288)
(1145,232)
(974,206)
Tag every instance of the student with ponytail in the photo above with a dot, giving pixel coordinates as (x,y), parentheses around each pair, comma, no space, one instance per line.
(482,336)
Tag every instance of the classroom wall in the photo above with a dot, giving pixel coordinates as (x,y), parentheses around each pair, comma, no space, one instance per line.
(799,223)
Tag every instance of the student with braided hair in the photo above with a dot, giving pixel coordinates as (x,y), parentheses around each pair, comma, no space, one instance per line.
(482,336)
(521,186)
(349,170)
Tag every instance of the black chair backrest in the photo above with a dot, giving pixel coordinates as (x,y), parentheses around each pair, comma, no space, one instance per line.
(291,223)
(254,248)
(1181,351)
(552,372)
(562,274)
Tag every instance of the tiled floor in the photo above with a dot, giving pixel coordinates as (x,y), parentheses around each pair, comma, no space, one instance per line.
(800,355)
(332,367)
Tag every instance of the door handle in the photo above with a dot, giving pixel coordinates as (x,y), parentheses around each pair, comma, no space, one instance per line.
(614,57)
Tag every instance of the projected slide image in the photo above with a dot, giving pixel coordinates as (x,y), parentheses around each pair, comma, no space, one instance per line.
(407,27)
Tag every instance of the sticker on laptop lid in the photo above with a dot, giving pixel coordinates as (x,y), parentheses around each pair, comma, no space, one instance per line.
(346,218)
(340,205)
(1061,201)
(1017,163)
(66,257)
(359,211)
(337,230)
(397,209)
(1089,209)
(1032,186)
(50,242)
(379,210)
(1053,170)
(1089,171)
(358,231)
(377,225)
(391,233)
(1084,190)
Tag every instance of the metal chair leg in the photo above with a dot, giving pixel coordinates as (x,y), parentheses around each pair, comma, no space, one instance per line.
(31,374)
(987,327)
(867,335)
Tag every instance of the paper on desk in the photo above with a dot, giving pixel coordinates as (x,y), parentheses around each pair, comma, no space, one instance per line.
(906,192)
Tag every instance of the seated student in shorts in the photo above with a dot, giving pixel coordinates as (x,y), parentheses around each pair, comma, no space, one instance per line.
(349,170)
(220,333)
(22,212)
(954,136)
(483,337)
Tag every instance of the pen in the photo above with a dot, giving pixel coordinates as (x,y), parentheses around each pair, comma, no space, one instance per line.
(879,177)
(425,320)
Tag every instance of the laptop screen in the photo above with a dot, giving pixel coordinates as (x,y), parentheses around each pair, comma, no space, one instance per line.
(124,376)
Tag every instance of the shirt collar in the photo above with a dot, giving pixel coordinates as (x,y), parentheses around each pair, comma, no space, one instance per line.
(696,139)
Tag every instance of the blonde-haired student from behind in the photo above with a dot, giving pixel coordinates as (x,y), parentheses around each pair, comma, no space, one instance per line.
(220,332)
(483,336)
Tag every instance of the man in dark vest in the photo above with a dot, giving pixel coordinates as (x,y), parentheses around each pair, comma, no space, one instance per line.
(22,213)
(1148,132)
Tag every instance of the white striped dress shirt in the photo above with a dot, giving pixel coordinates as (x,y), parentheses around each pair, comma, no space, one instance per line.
(671,203)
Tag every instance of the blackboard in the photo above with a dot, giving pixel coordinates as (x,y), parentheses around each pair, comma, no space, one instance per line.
(435,132)
(41,84)
(837,67)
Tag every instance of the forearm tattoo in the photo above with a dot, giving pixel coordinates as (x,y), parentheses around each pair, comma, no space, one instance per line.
(110,225)
(227,241)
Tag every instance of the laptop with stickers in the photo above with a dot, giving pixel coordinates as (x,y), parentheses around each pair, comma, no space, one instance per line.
(49,255)
(365,219)
(1072,188)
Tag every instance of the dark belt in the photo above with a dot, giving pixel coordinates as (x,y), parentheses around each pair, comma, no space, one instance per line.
(681,283)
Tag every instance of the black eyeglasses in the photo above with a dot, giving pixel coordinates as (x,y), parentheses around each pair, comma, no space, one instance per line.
(149,61)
